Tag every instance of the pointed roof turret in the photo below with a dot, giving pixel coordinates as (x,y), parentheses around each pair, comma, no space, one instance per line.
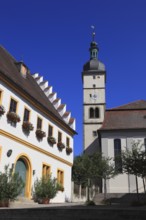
(93,64)
(93,46)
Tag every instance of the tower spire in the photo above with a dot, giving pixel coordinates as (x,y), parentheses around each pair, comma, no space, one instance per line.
(93,46)
(93,32)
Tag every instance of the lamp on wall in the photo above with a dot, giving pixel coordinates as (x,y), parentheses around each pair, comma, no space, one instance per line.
(9,153)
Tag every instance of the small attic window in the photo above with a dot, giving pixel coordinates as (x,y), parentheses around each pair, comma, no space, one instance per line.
(22,69)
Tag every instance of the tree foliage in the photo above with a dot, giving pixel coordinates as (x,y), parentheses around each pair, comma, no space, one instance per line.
(134,162)
(11,185)
(91,167)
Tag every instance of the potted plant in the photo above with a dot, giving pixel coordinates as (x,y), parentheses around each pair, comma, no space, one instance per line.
(51,140)
(2,110)
(13,117)
(45,189)
(27,126)
(68,150)
(11,186)
(60,145)
(40,134)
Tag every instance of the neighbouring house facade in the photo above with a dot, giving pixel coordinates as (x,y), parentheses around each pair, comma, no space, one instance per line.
(36,131)
(109,131)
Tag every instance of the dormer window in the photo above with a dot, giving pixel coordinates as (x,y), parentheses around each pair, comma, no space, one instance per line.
(22,69)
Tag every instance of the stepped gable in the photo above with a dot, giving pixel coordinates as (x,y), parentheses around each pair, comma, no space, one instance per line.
(31,85)
(129,116)
(56,102)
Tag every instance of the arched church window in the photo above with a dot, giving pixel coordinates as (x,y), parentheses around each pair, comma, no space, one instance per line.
(117,155)
(145,144)
(96,112)
(91,113)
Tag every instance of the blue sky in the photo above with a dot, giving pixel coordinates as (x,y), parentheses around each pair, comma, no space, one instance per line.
(53,38)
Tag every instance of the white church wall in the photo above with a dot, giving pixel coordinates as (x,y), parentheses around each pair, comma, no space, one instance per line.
(122,183)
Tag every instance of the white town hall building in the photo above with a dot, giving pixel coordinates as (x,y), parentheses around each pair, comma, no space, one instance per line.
(36,130)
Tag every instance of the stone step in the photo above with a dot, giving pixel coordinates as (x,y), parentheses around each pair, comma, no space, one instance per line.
(74,213)
(120,198)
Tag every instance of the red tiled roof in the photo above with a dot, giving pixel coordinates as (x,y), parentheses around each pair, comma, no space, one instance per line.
(130,116)
(9,71)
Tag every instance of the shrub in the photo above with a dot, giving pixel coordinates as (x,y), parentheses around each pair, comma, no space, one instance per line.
(11,185)
(45,188)
(90,203)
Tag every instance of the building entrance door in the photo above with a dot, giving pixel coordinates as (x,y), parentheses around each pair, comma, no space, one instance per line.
(21,169)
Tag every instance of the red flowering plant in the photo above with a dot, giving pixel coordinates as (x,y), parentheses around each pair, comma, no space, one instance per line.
(60,145)
(40,134)
(51,140)
(68,150)
(2,110)
(27,126)
(13,117)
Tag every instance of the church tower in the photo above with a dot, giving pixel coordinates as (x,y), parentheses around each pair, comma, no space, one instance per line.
(93,78)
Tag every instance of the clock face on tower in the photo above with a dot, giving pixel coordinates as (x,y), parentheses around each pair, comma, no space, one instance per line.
(94,96)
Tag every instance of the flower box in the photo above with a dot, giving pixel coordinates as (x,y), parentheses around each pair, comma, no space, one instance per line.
(27,126)
(13,117)
(51,140)
(68,150)
(60,145)
(2,110)
(40,134)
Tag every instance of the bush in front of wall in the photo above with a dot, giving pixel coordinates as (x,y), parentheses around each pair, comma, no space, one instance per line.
(11,185)
(45,189)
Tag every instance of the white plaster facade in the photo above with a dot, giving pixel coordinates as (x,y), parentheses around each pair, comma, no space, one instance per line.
(27,147)
(122,183)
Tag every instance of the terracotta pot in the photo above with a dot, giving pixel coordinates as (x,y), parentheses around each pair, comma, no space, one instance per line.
(44,201)
(4,203)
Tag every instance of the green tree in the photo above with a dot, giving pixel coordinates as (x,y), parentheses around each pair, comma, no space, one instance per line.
(102,167)
(81,171)
(91,167)
(46,188)
(134,163)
